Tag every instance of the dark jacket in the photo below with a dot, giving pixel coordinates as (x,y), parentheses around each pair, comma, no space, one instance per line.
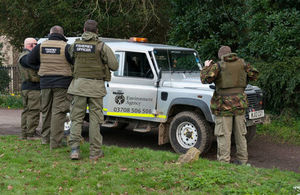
(32,60)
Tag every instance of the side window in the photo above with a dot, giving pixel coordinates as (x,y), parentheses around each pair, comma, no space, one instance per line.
(116,73)
(137,65)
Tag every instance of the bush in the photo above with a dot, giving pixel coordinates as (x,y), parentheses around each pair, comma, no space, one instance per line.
(264,29)
(280,82)
(11,101)
(273,30)
(205,25)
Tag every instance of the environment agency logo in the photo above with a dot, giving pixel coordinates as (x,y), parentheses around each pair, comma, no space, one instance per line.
(120,99)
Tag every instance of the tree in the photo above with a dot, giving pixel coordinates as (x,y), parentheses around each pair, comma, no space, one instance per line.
(273,29)
(264,29)
(116,18)
(205,25)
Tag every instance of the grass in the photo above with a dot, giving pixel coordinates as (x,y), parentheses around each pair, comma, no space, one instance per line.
(11,101)
(27,167)
(282,129)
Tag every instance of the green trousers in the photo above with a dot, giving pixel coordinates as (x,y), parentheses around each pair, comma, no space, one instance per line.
(30,116)
(55,105)
(223,130)
(78,110)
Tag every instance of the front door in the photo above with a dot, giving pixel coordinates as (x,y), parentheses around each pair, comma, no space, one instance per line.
(132,92)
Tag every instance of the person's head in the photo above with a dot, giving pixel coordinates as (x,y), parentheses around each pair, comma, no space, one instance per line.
(30,43)
(223,51)
(57,29)
(90,26)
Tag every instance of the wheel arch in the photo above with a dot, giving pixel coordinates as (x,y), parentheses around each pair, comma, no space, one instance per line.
(180,104)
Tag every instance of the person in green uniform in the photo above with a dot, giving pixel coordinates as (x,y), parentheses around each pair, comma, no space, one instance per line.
(93,60)
(229,102)
(52,60)
(30,87)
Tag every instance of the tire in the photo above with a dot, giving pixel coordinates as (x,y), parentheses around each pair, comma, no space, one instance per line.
(200,133)
(251,131)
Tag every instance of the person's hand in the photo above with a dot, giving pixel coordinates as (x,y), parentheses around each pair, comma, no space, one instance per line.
(207,62)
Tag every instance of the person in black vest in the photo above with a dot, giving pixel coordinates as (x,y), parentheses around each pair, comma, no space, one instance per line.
(53,63)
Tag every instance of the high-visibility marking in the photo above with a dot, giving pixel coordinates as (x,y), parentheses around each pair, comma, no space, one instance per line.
(130,114)
(133,114)
(161,116)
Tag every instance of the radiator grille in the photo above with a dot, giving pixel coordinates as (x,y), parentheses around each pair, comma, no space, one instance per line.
(253,100)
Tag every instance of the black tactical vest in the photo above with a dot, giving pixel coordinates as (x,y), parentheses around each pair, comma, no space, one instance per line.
(88,63)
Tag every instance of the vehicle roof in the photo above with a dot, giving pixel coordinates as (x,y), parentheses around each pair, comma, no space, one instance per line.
(127,45)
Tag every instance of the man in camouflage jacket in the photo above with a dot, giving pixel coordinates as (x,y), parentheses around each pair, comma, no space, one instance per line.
(229,102)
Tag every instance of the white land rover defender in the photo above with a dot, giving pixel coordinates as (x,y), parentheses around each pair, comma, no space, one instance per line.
(158,87)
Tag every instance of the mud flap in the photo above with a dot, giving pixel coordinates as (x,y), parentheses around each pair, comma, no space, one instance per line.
(163,134)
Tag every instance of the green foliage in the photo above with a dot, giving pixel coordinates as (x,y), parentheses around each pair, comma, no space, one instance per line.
(282,129)
(205,25)
(5,79)
(273,30)
(31,168)
(120,19)
(264,29)
(280,81)
(11,101)
(267,31)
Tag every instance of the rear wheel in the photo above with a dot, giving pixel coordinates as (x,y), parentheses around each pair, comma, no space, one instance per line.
(189,129)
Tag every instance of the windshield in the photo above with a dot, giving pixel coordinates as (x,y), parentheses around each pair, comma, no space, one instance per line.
(176,60)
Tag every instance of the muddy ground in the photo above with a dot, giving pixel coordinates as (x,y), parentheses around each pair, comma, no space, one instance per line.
(262,151)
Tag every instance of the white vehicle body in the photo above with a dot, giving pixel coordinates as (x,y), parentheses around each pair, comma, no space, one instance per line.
(165,94)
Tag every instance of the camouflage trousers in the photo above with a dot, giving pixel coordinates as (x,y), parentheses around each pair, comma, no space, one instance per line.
(30,116)
(55,105)
(78,110)
(223,130)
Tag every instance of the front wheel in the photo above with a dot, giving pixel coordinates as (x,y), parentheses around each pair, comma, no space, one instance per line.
(189,129)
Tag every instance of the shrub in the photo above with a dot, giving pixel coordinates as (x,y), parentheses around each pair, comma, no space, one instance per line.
(280,82)
(11,101)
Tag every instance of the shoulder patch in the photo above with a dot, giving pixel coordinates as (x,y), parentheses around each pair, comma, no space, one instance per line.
(87,48)
(50,50)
